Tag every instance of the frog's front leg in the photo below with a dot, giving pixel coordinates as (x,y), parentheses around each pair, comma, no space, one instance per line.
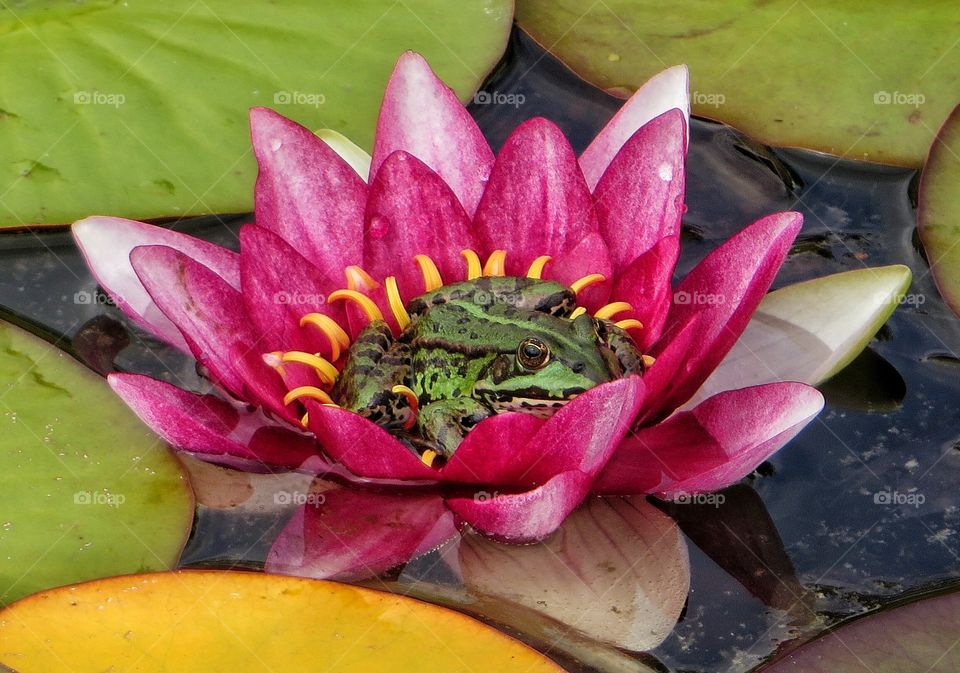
(375,364)
(443,424)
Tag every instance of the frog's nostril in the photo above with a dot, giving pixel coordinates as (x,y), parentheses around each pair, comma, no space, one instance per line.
(578,367)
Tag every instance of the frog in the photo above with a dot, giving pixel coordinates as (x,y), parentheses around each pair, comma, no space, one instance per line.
(478,348)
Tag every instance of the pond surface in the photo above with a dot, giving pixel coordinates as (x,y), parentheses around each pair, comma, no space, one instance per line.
(856,512)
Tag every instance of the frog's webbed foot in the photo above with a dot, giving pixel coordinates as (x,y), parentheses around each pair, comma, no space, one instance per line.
(444,424)
(376,364)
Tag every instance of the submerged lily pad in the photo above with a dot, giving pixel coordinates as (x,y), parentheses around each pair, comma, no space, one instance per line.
(138,109)
(207,620)
(939,210)
(920,636)
(856,80)
(87,489)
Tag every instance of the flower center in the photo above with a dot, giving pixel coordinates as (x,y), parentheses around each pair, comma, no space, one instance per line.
(359,282)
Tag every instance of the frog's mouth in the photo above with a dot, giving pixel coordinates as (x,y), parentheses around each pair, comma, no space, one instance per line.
(360,287)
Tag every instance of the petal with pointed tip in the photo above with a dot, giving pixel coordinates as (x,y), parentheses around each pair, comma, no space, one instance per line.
(210,315)
(106,243)
(412,211)
(810,331)
(639,199)
(587,257)
(208,425)
(305,192)
(353,154)
(723,291)
(422,115)
(664,91)
(355,534)
(536,201)
(713,445)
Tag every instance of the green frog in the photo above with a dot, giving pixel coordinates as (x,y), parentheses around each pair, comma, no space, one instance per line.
(477,348)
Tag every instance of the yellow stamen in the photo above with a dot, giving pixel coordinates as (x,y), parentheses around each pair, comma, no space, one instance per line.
(358,279)
(325,370)
(412,400)
(496,264)
(273,360)
(536,268)
(610,310)
(428,456)
(311,392)
(473,263)
(431,276)
(648,360)
(586,281)
(334,333)
(629,323)
(362,300)
(305,420)
(577,312)
(396,303)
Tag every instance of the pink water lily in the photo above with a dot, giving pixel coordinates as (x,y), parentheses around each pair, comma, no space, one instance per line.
(269,328)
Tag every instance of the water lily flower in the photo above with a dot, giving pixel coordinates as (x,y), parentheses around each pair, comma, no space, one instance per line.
(341,238)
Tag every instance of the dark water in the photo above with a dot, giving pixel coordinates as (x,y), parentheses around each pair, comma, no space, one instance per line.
(802,543)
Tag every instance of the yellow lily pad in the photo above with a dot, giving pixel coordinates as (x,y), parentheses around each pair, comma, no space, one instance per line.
(201,621)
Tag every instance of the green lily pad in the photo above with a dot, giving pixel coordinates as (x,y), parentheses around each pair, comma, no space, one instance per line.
(88,491)
(938,218)
(920,636)
(138,109)
(856,80)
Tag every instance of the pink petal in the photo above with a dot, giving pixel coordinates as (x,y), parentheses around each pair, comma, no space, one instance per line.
(575,444)
(536,202)
(211,317)
(639,199)
(715,444)
(353,534)
(664,91)
(412,211)
(208,425)
(306,193)
(363,447)
(497,451)
(106,242)
(587,257)
(646,284)
(722,292)
(280,287)
(422,115)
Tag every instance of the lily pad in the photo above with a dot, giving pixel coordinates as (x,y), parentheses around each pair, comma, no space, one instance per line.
(809,331)
(87,489)
(138,109)
(854,80)
(920,636)
(208,620)
(939,210)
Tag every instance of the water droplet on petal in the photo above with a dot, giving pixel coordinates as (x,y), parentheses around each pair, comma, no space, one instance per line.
(379,227)
(665,171)
(276,144)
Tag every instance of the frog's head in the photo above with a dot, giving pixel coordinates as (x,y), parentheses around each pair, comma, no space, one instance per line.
(553,361)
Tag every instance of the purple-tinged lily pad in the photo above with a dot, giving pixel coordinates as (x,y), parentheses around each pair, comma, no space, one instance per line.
(87,490)
(861,81)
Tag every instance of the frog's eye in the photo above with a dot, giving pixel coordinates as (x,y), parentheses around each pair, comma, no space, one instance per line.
(533,353)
